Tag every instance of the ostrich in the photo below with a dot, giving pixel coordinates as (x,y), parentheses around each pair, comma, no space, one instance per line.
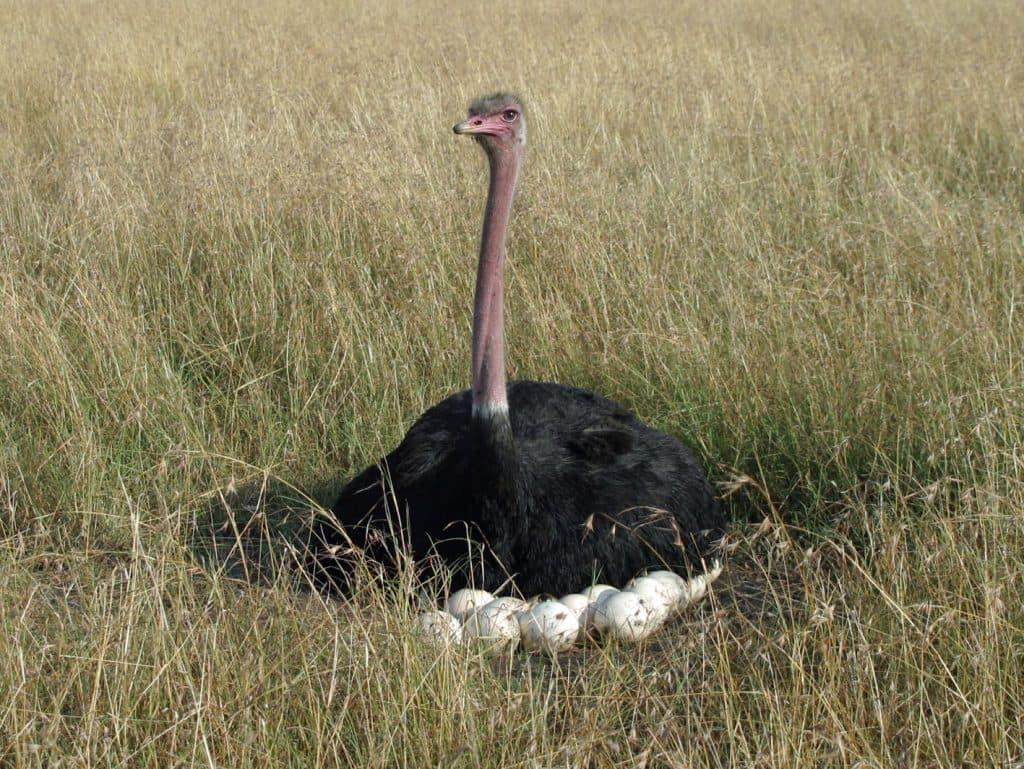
(541,486)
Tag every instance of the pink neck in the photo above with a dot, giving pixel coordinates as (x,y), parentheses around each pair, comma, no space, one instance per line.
(489,396)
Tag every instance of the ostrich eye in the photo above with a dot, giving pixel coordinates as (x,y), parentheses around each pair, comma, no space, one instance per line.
(509,115)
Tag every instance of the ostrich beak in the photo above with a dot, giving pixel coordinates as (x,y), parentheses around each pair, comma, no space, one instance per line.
(473,125)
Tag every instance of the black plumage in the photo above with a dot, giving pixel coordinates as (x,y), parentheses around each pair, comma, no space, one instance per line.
(571,490)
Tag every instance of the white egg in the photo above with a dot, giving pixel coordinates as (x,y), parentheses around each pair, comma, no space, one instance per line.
(493,626)
(462,602)
(549,626)
(668,577)
(577,603)
(676,587)
(626,617)
(440,627)
(594,619)
(507,603)
(594,591)
(659,596)
(697,587)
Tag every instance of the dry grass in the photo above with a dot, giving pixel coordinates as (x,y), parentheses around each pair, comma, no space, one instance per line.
(236,246)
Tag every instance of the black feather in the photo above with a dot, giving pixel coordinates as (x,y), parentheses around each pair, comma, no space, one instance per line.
(573,488)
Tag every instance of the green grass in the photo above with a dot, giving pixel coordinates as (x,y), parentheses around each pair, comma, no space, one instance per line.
(236,254)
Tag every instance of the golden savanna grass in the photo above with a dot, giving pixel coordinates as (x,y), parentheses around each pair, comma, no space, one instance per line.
(236,251)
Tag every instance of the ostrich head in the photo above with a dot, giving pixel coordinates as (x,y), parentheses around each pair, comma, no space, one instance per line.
(497,123)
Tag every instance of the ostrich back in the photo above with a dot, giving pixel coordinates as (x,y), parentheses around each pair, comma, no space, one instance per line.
(582,491)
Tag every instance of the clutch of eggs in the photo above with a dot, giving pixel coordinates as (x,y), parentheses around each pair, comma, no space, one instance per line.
(500,625)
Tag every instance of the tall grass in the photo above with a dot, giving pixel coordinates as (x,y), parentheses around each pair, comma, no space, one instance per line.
(236,253)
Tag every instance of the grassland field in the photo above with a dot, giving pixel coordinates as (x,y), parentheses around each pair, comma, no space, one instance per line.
(237,243)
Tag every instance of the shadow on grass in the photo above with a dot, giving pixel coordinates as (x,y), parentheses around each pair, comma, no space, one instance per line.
(255,531)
